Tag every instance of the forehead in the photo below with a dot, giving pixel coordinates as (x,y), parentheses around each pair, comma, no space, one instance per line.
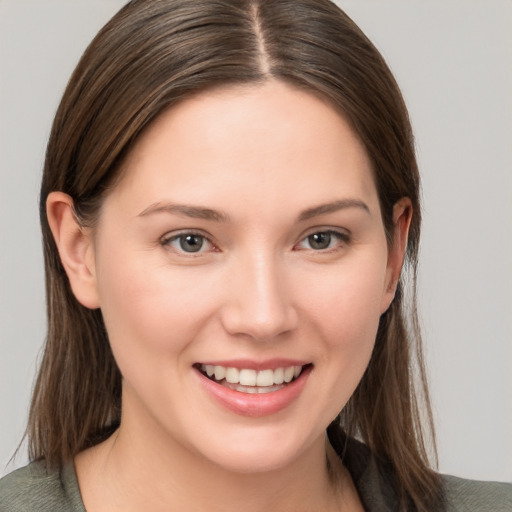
(272,140)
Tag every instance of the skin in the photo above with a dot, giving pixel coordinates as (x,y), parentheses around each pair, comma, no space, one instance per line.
(258,289)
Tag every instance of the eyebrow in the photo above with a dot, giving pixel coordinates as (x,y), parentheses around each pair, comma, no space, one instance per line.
(195,212)
(335,206)
(198,212)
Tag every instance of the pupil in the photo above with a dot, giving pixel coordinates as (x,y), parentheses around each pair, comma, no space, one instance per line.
(191,243)
(320,240)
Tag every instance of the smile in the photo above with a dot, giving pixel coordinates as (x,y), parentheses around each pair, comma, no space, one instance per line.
(248,380)
(254,389)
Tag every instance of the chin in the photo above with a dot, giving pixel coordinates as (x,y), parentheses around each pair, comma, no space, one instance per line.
(251,461)
(256,451)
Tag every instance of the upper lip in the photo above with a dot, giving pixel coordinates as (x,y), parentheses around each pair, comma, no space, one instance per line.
(268,364)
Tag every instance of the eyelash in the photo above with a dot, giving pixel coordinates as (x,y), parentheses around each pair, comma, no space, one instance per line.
(342,238)
(167,240)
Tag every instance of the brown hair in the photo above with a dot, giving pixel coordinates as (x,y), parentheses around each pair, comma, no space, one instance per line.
(153,54)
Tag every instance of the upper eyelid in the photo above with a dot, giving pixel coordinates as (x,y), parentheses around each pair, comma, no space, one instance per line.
(172,235)
(344,235)
(343,232)
(176,234)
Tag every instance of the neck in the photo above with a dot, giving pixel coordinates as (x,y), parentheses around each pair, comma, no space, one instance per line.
(193,483)
(141,471)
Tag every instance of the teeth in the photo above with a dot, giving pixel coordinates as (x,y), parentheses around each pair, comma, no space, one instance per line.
(278,375)
(232,375)
(220,372)
(288,373)
(265,378)
(254,389)
(248,377)
(252,379)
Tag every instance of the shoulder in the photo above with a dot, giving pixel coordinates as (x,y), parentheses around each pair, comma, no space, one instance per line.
(34,488)
(376,483)
(475,496)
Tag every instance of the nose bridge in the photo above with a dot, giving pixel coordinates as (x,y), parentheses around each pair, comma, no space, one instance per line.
(259,304)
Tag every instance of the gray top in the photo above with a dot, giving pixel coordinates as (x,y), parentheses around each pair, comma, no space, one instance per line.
(32,489)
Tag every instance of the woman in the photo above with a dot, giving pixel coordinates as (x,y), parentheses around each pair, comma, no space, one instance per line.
(229,193)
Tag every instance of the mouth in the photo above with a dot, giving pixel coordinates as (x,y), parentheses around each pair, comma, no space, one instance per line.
(252,381)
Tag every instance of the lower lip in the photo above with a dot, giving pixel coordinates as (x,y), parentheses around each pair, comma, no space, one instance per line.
(256,404)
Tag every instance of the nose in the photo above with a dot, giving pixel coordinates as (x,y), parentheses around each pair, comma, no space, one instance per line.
(258,303)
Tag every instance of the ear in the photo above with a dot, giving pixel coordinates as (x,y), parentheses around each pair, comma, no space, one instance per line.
(402,215)
(75,246)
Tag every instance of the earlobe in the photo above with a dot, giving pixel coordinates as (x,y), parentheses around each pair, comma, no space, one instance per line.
(75,246)
(402,215)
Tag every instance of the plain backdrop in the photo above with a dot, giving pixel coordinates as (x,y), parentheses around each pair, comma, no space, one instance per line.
(453,60)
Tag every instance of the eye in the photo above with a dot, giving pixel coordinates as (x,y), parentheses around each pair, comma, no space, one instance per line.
(323,240)
(190,243)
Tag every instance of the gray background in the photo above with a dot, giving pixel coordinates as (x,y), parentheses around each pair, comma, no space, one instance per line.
(453,60)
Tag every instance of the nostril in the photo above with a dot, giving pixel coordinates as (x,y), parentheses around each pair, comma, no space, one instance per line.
(257,325)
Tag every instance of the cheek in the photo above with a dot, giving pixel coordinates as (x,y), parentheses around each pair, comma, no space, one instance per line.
(150,311)
(347,302)
(345,312)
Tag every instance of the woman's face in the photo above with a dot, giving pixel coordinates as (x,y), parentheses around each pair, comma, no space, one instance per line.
(244,239)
